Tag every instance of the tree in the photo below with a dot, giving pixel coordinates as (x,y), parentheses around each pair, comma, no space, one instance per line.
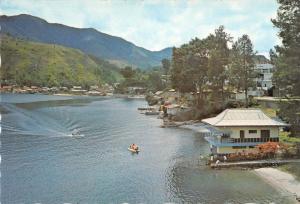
(201,63)
(180,77)
(287,60)
(241,67)
(128,72)
(218,59)
(166,64)
(154,81)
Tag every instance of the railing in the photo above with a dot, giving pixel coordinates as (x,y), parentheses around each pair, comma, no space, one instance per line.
(248,140)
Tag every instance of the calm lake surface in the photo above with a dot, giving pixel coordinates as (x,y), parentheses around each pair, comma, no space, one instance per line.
(42,162)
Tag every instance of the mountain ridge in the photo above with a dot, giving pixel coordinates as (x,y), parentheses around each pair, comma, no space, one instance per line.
(88,40)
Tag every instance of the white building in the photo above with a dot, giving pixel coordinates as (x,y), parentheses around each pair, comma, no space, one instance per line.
(265,72)
(240,130)
(263,81)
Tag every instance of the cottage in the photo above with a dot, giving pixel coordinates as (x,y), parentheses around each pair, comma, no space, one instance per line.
(240,130)
(94,88)
(136,90)
(78,90)
(6,88)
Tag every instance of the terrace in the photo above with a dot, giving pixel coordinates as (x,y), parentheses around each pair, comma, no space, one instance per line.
(220,141)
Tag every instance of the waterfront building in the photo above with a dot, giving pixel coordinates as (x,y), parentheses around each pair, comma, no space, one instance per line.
(134,90)
(78,90)
(241,130)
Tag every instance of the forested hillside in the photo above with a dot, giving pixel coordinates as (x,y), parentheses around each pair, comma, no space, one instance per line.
(88,40)
(30,63)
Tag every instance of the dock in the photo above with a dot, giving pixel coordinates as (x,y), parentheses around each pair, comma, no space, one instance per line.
(146,109)
(253,164)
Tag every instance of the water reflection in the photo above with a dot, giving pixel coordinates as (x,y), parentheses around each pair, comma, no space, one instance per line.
(55,103)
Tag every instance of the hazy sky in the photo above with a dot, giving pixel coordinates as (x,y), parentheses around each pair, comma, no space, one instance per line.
(156,24)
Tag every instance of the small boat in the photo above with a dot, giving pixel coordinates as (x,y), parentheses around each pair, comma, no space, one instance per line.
(76,133)
(146,109)
(133,150)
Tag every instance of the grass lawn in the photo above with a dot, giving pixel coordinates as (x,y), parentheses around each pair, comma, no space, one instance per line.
(283,136)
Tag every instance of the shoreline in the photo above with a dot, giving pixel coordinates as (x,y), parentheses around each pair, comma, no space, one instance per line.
(129,96)
(281,180)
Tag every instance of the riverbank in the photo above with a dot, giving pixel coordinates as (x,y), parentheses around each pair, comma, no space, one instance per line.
(254,163)
(280,180)
(129,96)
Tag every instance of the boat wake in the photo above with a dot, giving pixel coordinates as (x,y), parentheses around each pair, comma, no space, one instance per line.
(30,123)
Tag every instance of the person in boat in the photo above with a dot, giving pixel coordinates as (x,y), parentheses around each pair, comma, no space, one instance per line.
(75,132)
(134,147)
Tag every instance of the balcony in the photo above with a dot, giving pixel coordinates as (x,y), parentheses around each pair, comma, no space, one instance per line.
(230,142)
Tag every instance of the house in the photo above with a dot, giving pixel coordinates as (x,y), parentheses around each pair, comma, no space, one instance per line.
(78,90)
(136,90)
(240,130)
(95,93)
(265,74)
(6,89)
(94,88)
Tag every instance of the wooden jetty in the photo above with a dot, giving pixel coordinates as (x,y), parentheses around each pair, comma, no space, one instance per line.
(146,109)
(253,164)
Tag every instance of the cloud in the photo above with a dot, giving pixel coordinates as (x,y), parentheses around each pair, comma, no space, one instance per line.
(158,24)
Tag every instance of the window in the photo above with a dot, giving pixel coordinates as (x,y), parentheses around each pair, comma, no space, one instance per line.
(252,131)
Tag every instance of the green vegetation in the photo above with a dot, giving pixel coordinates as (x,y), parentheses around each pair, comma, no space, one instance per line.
(203,66)
(26,63)
(166,64)
(271,112)
(241,65)
(30,63)
(285,137)
(286,59)
(150,80)
(110,72)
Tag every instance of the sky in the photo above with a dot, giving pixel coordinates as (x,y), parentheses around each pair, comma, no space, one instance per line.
(157,24)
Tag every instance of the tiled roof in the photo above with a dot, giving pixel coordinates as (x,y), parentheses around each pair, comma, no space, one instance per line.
(242,117)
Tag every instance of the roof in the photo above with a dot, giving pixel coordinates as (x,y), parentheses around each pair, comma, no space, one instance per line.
(242,117)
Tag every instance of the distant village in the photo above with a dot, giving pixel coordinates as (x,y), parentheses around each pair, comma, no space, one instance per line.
(104,90)
(264,87)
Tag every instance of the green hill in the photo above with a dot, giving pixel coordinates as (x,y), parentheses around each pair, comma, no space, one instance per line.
(88,40)
(30,63)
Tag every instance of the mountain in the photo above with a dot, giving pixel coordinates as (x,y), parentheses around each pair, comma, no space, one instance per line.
(260,59)
(32,63)
(88,40)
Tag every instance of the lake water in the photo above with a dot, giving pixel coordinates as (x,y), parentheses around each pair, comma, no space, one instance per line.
(42,162)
